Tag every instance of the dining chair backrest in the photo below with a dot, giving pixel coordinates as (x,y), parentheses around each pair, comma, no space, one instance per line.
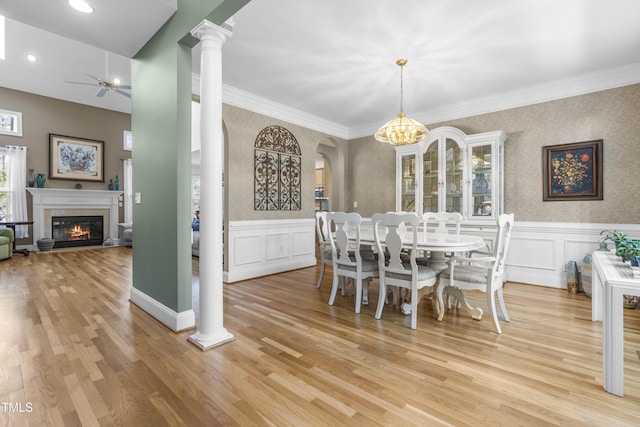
(322,229)
(390,230)
(501,246)
(442,219)
(345,237)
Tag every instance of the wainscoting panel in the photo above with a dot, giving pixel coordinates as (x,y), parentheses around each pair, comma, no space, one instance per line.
(259,248)
(277,246)
(247,249)
(540,251)
(302,243)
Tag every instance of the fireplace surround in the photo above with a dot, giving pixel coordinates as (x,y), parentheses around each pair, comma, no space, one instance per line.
(50,202)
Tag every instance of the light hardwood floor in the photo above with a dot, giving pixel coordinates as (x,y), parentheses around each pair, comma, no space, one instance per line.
(75,351)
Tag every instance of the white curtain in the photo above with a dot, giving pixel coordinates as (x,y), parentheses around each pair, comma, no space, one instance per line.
(128,191)
(16,180)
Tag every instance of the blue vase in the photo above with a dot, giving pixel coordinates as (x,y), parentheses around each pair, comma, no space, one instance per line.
(40,180)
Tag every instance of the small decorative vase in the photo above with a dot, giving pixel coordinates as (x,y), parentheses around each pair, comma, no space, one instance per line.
(40,180)
(116,184)
(572,277)
(110,184)
(31,178)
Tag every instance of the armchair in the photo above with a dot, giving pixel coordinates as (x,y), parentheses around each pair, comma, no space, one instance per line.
(6,243)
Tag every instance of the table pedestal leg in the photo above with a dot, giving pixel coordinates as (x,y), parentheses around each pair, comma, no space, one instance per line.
(461,301)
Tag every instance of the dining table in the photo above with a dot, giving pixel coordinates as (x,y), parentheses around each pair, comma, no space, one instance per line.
(437,245)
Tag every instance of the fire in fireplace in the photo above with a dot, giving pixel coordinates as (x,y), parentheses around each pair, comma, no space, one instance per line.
(70,231)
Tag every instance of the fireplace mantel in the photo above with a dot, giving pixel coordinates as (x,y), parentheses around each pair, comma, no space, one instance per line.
(48,199)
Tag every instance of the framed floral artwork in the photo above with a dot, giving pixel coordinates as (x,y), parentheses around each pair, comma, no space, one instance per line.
(572,171)
(77,159)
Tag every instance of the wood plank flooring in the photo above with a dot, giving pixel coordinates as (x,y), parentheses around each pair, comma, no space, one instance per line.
(75,351)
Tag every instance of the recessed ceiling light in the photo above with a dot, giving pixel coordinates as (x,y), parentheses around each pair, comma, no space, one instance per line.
(81,6)
(32,58)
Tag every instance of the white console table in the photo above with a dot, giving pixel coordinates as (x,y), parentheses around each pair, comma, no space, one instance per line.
(612,278)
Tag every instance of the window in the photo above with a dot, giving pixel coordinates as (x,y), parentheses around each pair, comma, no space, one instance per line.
(4,186)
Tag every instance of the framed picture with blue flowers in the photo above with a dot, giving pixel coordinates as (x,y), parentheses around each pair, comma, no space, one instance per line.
(572,171)
(77,159)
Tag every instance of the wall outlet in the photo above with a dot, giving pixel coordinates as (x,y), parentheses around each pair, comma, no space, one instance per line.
(138,198)
(355,204)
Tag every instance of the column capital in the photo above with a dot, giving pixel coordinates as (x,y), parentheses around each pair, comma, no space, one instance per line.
(208,28)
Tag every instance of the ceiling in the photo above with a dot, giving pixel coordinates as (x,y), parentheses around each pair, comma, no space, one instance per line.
(332,62)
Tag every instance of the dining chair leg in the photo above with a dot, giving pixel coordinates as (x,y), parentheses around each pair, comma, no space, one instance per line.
(382,296)
(322,266)
(334,288)
(502,306)
(491,302)
(414,307)
(365,292)
(358,293)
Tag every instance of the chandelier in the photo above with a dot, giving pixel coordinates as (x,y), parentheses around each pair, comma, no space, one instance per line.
(401,130)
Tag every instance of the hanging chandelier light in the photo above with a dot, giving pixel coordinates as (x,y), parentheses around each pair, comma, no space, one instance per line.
(401,130)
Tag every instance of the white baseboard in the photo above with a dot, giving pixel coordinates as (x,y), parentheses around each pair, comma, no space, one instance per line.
(267,269)
(173,320)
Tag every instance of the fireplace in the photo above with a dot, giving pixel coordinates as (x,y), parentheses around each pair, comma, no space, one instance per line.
(71,231)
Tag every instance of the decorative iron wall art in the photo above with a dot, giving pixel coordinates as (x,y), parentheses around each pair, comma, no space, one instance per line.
(277,171)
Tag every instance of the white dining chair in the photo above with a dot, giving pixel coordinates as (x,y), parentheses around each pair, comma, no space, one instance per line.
(483,271)
(393,231)
(347,256)
(324,246)
(439,223)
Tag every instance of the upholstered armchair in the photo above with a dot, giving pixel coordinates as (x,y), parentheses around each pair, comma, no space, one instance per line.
(6,243)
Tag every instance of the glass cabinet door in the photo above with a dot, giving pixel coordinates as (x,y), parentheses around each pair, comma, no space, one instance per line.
(453,180)
(408,183)
(430,181)
(481,181)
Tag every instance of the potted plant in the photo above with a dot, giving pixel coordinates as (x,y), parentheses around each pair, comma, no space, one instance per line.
(611,236)
(628,249)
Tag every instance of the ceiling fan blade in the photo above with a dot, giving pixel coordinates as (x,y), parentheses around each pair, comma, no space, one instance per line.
(121,92)
(101,92)
(82,83)
(124,87)
(94,77)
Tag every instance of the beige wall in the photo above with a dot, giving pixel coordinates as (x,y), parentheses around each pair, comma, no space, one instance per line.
(242,128)
(610,115)
(42,115)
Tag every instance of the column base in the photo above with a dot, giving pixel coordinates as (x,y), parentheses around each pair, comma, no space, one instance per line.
(205,342)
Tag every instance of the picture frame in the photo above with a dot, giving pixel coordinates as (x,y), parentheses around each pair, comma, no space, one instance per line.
(10,123)
(77,159)
(127,140)
(573,171)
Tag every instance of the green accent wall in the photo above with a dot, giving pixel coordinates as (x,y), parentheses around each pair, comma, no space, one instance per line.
(161,127)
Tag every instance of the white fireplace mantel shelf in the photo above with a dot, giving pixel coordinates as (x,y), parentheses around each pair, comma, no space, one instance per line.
(60,198)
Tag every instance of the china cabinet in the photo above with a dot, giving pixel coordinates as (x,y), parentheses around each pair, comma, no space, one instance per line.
(453,172)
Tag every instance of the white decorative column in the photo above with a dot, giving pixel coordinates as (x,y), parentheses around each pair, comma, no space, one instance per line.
(211,331)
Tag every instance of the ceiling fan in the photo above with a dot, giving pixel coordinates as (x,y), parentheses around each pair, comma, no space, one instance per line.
(105,85)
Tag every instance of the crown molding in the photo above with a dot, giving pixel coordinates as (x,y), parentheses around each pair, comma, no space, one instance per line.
(550,91)
(573,86)
(257,104)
